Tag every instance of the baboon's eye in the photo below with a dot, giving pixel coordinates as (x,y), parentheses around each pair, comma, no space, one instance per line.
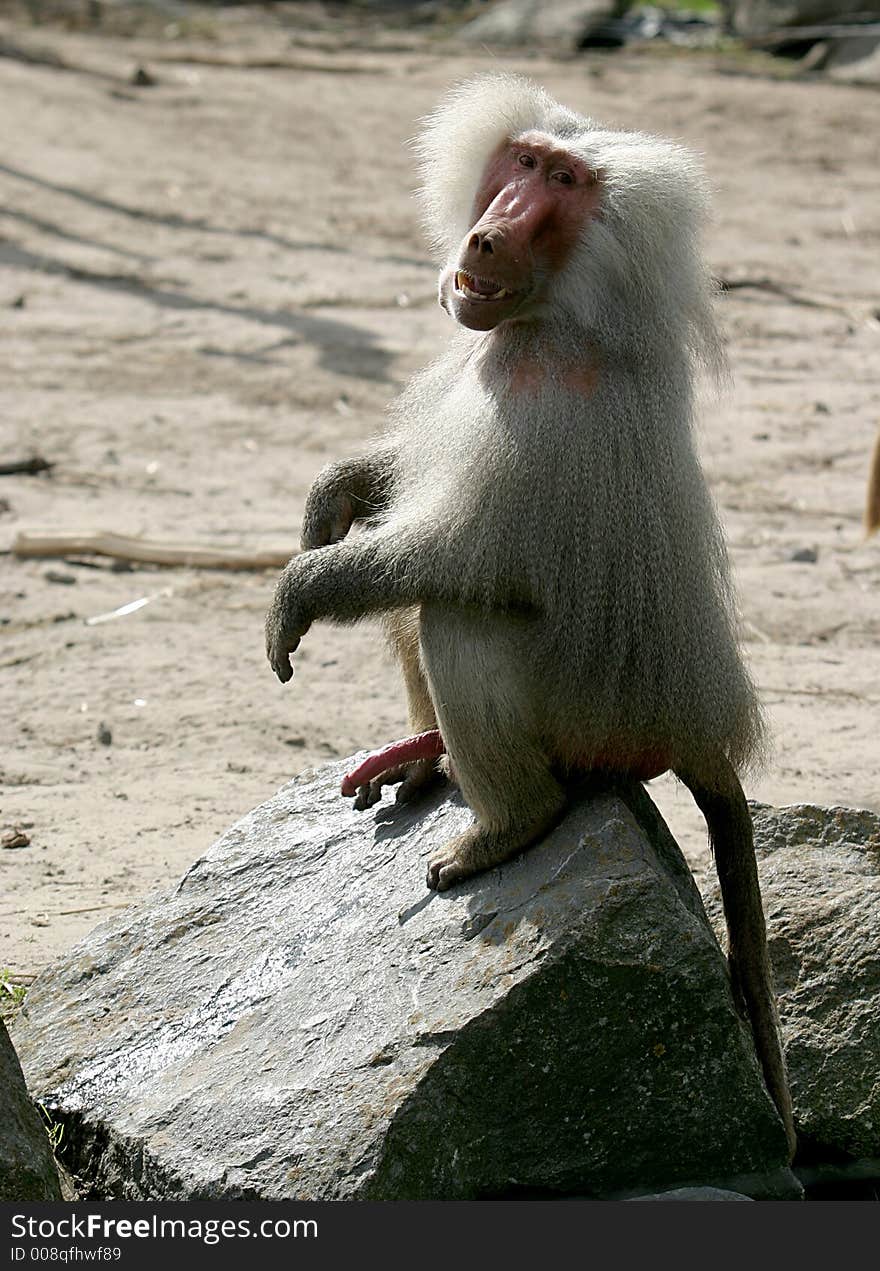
(562,177)
(527,161)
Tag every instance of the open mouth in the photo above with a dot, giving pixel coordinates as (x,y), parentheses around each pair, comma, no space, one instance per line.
(474,288)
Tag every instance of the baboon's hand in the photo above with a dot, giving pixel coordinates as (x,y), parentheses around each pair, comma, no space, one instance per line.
(328,517)
(286,624)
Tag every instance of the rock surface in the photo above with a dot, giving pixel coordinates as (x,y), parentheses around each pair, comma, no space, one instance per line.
(538,22)
(695,1193)
(27,1167)
(300,1018)
(820,879)
(754,19)
(853,61)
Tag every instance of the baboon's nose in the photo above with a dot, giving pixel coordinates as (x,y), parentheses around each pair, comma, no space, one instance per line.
(481,243)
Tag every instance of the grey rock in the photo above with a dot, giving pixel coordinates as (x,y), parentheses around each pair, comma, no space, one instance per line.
(531,22)
(27,1166)
(854,61)
(300,1018)
(756,19)
(820,879)
(694,1193)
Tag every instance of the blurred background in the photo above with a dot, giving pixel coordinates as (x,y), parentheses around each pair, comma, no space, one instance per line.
(212,282)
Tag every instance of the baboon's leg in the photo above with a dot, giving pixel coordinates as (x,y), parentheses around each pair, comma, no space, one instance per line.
(413,778)
(489,718)
(403,635)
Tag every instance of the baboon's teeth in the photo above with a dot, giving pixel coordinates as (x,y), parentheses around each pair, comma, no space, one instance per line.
(467,291)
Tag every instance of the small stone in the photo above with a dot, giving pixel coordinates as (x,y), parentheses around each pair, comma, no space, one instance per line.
(14,837)
(105,737)
(142,78)
(56,576)
(805,556)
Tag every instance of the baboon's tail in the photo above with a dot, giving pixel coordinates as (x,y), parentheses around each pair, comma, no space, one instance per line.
(731,837)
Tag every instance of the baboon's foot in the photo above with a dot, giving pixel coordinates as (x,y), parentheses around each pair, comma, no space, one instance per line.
(412,780)
(446,768)
(421,777)
(468,854)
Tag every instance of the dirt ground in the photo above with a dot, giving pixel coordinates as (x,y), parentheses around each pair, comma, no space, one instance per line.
(212,286)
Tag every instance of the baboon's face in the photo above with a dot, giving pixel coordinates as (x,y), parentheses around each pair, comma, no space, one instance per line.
(531,208)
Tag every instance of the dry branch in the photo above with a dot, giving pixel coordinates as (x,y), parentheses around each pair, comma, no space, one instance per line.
(232,63)
(30,543)
(33,55)
(872,501)
(36,463)
(784,293)
(854,30)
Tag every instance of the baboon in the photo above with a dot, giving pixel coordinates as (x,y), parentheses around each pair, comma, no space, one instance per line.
(535,522)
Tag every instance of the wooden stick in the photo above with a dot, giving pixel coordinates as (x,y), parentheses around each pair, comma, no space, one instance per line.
(818,31)
(784,293)
(872,498)
(193,58)
(30,543)
(35,464)
(31,55)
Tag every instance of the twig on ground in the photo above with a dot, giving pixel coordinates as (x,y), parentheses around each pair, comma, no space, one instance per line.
(193,58)
(787,293)
(36,463)
(34,55)
(64,913)
(872,498)
(31,543)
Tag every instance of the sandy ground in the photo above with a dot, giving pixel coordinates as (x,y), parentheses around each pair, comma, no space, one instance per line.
(213,286)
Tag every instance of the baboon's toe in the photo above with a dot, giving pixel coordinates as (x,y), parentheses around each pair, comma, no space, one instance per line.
(447,867)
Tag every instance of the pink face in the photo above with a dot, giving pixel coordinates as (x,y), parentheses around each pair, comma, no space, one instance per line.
(530,210)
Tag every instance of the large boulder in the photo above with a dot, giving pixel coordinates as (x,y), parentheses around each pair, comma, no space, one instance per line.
(820,878)
(852,61)
(758,19)
(561,23)
(301,1018)
(27,1166)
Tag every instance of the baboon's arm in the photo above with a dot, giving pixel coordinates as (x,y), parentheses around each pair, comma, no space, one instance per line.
(374,573)
(346,492)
